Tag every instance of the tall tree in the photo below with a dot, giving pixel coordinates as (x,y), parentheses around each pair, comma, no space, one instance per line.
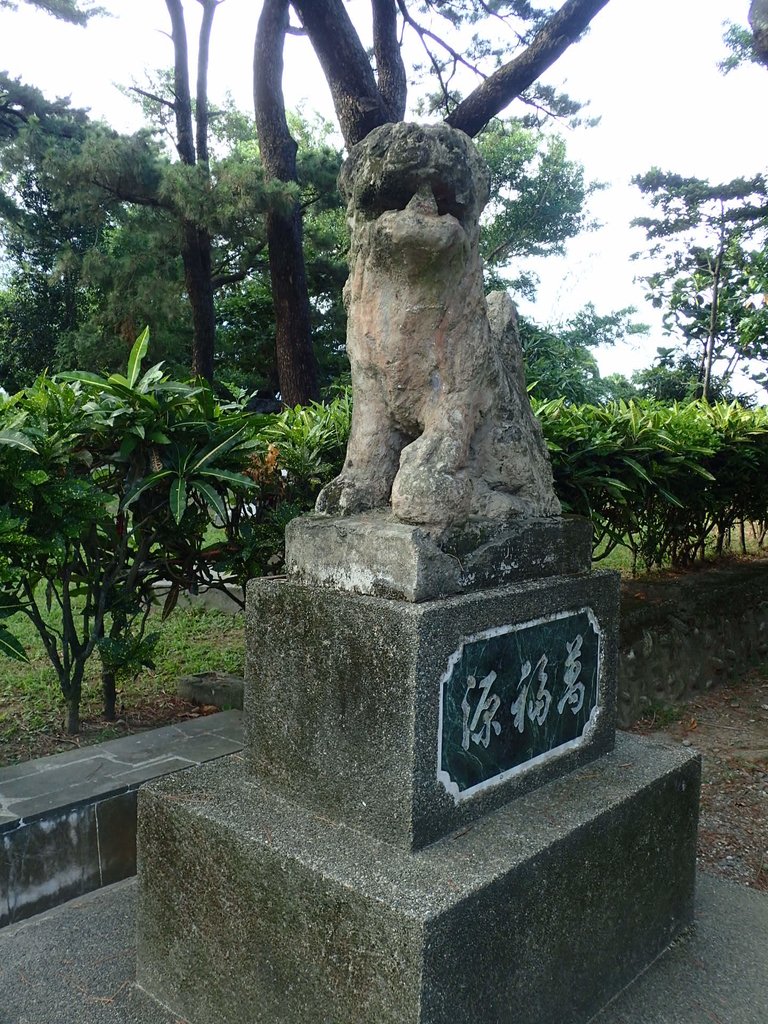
(92,226)
(709,237)
(192,147)
(296,362)
(369,90)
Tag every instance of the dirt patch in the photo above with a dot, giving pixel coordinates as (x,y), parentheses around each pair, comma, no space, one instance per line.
(729,728)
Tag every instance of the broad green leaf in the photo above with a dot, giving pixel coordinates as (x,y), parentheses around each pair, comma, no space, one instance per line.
(129,443)
(10,646)
(178,498)
(138,352)
(15,439)
(212,496)
(9,605)
(82,377)
(144,484)
(215,449)
(638,469)
(227,476)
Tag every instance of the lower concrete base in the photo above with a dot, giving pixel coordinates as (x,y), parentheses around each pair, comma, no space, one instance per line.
(76,964)
(255,911)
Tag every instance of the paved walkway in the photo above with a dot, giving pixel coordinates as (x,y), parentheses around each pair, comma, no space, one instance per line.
(74,965)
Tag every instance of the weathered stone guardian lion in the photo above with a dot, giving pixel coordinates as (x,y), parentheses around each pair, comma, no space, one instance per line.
(442,427)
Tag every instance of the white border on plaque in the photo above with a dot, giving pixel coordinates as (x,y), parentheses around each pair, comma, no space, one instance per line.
(549,755)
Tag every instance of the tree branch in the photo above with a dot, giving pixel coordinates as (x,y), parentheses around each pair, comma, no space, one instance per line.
(549,43)
(219,280)
(201,102)
(425,33)
(126,195)
(151,96)
(183,106)
(359,105)
(278,147)
(390,69)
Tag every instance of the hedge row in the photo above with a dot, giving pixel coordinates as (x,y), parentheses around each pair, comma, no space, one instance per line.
(109,486)
(666,481)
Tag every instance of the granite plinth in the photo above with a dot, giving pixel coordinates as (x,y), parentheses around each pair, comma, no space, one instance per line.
(374,553)
(76,965)
(347,706)
(538,914)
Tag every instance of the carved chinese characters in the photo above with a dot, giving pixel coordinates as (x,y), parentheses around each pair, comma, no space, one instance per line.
(517,695)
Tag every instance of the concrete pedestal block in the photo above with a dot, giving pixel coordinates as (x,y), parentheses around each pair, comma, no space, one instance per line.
(354,704)
(374,553)
(257,910)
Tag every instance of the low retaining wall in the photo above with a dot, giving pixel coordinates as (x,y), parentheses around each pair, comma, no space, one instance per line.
(68,821)
(681,635)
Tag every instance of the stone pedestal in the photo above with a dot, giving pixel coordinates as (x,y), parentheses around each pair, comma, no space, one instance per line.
(430,822)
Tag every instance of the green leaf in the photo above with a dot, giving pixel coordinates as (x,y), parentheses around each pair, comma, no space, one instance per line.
(171,601)
(10,646)
(129,444)
(15,439)
(213,498)
(227,476)
(138,352)
(82,377)
(638,469)
(216,448)
(178,498)
(9,605)
(143,485)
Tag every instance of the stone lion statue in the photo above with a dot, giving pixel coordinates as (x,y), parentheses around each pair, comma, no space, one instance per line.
(442,428)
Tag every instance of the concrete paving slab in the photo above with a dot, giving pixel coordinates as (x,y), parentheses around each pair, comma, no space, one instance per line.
(716,975)
(75,965)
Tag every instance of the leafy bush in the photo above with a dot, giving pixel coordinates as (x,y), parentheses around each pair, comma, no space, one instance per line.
(108,486)
(660,479)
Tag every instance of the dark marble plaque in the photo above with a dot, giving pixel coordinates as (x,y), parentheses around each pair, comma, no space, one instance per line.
(516,695)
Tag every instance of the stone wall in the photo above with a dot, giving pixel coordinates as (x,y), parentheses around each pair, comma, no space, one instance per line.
(681,635)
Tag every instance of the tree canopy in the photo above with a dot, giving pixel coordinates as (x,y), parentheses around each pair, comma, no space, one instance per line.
(712,282)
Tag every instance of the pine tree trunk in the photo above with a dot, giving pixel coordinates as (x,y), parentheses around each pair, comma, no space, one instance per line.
(296,363)
(196,256)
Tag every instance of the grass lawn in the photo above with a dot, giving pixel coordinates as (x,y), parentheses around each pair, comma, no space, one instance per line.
(32,711)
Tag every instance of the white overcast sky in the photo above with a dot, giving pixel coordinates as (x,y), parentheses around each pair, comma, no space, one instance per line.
(648,68)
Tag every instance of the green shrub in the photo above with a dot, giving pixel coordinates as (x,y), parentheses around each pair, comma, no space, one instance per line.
(107,487)
(660,479)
